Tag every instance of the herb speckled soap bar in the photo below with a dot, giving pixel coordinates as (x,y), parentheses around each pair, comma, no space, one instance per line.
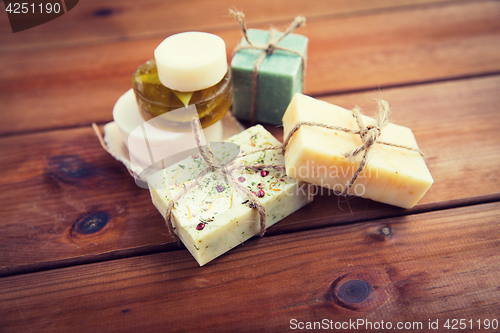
(280,77)
(214,216)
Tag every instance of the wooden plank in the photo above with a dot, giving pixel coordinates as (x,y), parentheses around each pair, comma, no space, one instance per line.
(76,85)
(418,269)
(53,183)
(112,20)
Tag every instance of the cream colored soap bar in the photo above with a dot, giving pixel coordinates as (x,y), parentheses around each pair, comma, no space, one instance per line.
(215,216)
(191,61)
(392,175)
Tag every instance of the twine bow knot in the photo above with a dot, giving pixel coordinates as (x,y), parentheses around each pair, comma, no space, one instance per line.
(226,169)
(369,136)
(270,48)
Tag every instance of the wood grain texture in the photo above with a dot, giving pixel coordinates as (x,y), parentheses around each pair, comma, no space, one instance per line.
(50,183)
(65,198)
(104,21)
(79,85)
(432,266)
(82,249)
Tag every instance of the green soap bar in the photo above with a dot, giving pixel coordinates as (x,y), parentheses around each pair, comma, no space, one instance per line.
(279,77)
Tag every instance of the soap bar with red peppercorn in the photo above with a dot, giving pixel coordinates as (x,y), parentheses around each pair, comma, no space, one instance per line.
(215,216)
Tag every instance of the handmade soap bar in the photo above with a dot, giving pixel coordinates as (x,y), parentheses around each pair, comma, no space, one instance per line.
(392,175)
(215,216)
(279,77)
(191,61)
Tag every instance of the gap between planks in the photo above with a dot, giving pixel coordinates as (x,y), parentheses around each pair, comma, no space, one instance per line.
(177,246)
(325,94)
(391,49)
(253,21)
(440,266)
(424,116)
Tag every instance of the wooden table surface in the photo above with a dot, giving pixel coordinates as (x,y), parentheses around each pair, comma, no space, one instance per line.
(83,249)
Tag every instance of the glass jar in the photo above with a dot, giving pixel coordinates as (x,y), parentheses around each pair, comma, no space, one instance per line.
(154,99)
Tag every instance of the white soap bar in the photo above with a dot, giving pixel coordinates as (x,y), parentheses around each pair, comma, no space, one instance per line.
(392,175)
(148,144)
(214,216)
(191,61)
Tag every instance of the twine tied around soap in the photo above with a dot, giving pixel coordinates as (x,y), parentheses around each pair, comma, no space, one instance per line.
(267,49)
(369,135)
(226,169)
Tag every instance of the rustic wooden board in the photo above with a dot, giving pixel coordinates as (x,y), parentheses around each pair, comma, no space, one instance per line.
(54,184)
(83,248)
(433,266)
(104,21)
(78,85)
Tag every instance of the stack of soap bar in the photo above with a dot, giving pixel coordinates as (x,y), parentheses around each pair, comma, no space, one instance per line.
(392,175)
(279,77)
(215,216)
